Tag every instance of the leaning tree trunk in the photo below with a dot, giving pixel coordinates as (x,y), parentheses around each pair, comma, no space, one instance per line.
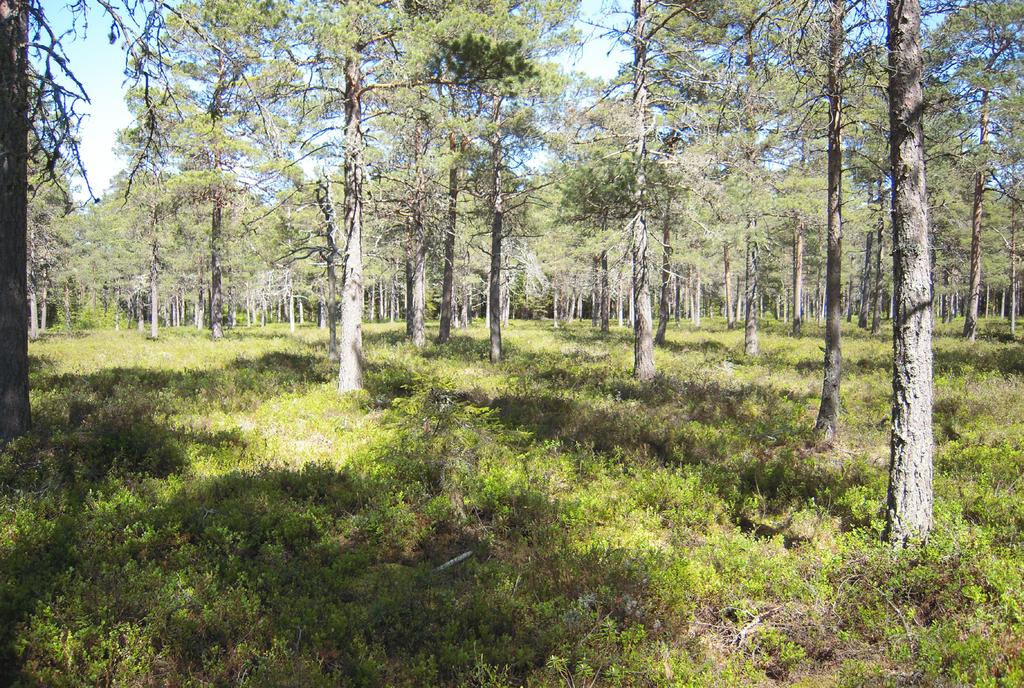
(974,286)
(448,279)
(798,277)
(15,416)
(909,498)
(750,344)
(828,411)
(666,280)
(350,346)
(643,341)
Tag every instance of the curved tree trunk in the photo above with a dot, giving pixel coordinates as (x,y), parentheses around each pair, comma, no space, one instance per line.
(909,498)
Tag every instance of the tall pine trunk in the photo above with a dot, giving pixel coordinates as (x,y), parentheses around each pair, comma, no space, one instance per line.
(828,412)
(751,346)
(664,300)
(727,282)
(448,278)
(643,340)
(909,497)
(15,416)
(154,291)
(865,281)
(974,286)
(494,312)
(798,277)
(350,345)
(876,299)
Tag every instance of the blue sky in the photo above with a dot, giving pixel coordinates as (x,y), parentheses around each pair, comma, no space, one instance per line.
(100,68)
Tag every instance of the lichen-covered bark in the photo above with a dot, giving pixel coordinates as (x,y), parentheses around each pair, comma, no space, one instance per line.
(909,499)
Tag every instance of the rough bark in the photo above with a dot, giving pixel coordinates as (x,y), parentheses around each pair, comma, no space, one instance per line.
(419,252)
(448,278)
(909,497)
(974,284)
(828,412)
(750,344)
(727,266)
(216,249)
(154,290)
(326,203)
(876,300)
(15,416)
(643,340)
(497,227)
(865,282)
(350,345)
(605,293)
(664,300)
(798,277)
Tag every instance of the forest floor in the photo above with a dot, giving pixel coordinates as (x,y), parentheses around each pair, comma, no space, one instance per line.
(197,513)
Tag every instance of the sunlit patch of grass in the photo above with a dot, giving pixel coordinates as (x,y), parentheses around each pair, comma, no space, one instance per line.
(217,513)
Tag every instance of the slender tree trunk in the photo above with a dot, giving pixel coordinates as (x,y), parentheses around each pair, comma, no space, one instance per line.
(727,282)
(828,412)
(216,249)
(643,341)
(44,307)
(750,343)
(15,415)
(326,203)
(865,281)
(33,317)
(666,278)
(154,291)
(497,227)
(798,277)
(696,296)
(876,300)
(350,350)
(418,300)
(1013,268)
(605,292)
(290,295)
(909,499)
(448,279)
(974,286)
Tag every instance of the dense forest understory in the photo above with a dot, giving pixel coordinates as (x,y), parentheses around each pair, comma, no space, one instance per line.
(192,512)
